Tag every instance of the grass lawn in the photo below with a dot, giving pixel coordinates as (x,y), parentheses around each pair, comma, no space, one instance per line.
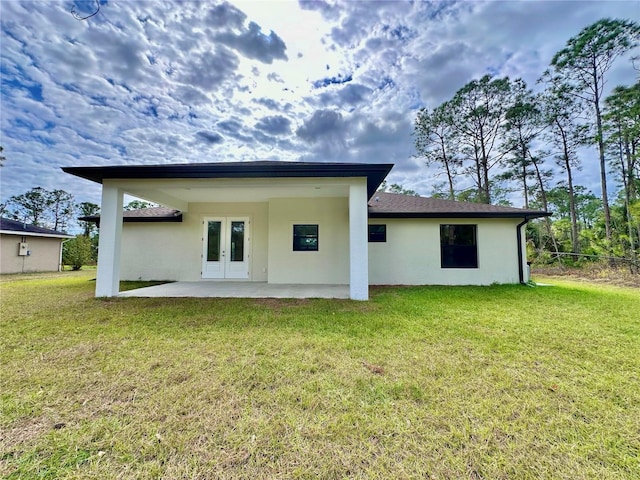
(427,382)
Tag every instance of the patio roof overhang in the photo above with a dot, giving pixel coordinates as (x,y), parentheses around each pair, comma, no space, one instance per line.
(178,186)
(134,175)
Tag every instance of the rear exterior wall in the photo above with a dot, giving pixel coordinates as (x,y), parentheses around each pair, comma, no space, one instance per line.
(330,263)
(411,254)
(172,251)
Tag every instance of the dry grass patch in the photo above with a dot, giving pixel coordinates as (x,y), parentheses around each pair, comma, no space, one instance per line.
(600,273)
(429,382)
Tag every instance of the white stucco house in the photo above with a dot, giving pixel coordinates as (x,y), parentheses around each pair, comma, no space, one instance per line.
(28,248)
(297,223)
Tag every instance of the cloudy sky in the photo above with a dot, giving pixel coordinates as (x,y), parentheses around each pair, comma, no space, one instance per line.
(184,81)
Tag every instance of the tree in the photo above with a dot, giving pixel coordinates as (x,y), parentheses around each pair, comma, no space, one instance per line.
(584,63)
(396,188)
(42,208)
(61,209)
(523,124)
(139,205)
(621,123)
(77,252)
(2,157)
(565,135)
(88,209)
(31,207)
(436,142)
(587,207)
(479,109)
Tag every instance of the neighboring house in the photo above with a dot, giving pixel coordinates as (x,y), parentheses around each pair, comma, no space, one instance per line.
(26,248)
(297,223)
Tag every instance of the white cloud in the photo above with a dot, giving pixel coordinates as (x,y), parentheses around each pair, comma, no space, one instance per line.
(152,82)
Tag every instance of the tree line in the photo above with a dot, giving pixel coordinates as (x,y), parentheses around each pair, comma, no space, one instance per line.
(53,209)
(58,210)
(496,136)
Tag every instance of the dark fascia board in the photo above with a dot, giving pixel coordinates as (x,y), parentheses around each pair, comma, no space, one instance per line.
(528,215)
(375,173)
(174,219)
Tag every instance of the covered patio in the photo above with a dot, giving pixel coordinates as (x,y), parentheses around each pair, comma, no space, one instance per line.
(239,220)
(239,290)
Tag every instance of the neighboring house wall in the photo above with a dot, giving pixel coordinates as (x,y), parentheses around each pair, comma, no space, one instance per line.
(44,257)
(328,265)
(411,254)
(172,251)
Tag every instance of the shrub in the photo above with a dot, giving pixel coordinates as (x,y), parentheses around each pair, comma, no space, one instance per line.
(77,252)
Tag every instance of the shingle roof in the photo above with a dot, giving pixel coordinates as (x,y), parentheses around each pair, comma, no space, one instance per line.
(153,214)
(381,205)
(20,228)
(384,204)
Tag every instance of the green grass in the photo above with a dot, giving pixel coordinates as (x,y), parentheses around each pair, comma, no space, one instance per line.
(427,382)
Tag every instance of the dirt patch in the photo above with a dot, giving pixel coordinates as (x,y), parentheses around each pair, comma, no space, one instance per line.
(22,434)
(591,273)
(280,303)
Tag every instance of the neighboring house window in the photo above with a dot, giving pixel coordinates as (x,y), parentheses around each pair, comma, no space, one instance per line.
(458,246)
(305,238)
(377,233)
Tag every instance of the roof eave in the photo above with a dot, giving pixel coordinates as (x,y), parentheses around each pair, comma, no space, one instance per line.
(35,234)
(375,173)
(172,219)
(528,215)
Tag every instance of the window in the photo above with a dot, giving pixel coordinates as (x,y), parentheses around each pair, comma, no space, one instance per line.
(213,241)
(458,246)
(305,238)
(237,241)
(377,233)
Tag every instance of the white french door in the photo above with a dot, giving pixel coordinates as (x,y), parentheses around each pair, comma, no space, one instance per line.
(225,247)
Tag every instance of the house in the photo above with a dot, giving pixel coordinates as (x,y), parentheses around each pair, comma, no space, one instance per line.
(297,223)
(27,248)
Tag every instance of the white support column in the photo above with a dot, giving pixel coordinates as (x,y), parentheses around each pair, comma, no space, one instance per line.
(108,278)
(358,242)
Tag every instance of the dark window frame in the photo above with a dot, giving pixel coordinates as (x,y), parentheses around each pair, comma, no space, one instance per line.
(377,237)
(303,241)
(458,246)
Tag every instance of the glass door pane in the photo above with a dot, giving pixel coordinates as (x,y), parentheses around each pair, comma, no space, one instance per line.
(237,241)
(213,241)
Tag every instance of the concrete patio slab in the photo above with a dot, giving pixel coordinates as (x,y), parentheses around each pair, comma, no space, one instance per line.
(239,290)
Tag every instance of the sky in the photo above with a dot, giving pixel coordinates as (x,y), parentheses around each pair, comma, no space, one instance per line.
(151,82)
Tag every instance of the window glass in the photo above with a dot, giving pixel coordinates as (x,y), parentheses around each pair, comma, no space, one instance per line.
(377,233)
(213,241)
(237,241)
(305,238)
(458,246)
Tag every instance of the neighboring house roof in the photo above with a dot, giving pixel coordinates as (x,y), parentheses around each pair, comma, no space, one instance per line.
(389,205)
(375,173)
(153,214)
(14,227)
